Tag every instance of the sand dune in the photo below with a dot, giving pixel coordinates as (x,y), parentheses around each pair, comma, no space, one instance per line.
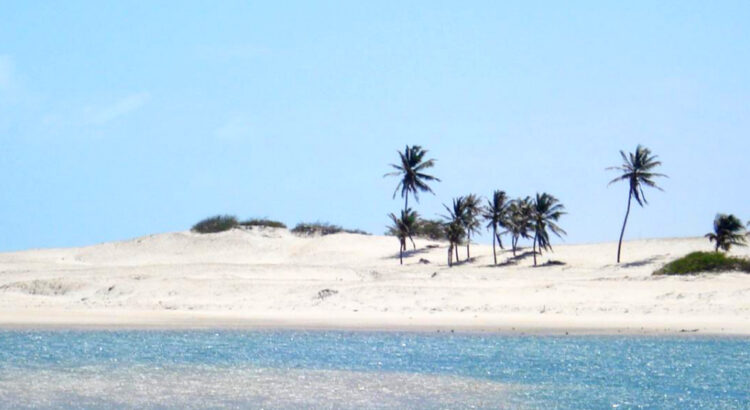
(271,278)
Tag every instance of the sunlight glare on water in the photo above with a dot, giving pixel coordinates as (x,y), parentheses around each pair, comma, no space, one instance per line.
(292,369)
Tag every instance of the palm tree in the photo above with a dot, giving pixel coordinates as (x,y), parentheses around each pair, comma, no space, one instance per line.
(472,211)
(637,170)
(496,214)
(455,228)
(403,228)
(728,231)
(411,171)
(546,211)
(519,221)
(454,231)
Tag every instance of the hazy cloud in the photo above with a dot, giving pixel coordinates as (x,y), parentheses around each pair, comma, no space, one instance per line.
(104,114)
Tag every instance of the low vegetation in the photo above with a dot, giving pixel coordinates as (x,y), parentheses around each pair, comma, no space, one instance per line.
(430,229)
(322,228)
(700,262)
(263,223)
(218,223)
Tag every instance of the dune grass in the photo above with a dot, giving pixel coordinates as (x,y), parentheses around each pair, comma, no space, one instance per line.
(218,223)
(322,229)
(263,223)
(700,262)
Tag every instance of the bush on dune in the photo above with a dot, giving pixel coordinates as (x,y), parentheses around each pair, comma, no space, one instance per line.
(263,223)
(430,229)
(218,223)
(322,228)
(700,262)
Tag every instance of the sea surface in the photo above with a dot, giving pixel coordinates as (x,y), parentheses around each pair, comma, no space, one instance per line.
(326,369)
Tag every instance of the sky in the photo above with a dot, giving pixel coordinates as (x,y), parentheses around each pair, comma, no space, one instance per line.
(132,118)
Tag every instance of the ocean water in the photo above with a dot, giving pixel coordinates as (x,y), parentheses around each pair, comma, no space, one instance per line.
(326,369)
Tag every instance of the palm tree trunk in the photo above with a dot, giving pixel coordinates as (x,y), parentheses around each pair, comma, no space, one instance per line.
(468,242)
(533,249)
(406,202)
(414,245)
(622,232)
(494,234)
(450,255)
(456,248)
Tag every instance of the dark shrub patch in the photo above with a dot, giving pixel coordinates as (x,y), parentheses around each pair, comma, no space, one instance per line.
(323,228)
(699,262)
(263,223)
(431,229)
(218,223)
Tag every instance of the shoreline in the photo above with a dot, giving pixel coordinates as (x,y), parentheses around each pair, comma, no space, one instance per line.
(512,325)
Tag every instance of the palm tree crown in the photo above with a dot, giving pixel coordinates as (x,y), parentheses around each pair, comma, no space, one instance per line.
(637,168)
(728,231)
(411,170)
(547,210)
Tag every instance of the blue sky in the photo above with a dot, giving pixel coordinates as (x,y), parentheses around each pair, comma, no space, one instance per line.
(134,118)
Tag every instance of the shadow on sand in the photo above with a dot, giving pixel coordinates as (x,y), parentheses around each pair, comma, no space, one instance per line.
(409,253)
(642,262)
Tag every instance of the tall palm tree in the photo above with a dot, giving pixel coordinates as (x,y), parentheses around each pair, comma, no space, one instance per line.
(547,210)
(455,228)
(519,221)
(411,171)
(496,214)
(728,231)
(637,169)
(472,211)
(402,228)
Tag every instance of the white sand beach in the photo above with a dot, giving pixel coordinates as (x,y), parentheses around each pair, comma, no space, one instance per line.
(270,278)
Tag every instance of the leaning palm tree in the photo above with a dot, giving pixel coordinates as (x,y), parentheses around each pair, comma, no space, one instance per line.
(411,172)
(637,169)
(472,211)
(456,219)
(496,215)
(402,228)
(728,231)
(519,221)
(546,211)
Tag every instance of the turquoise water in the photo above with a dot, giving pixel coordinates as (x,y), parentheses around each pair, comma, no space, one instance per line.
(293,369)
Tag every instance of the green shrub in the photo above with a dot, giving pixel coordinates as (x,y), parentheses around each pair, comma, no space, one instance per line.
(356,231)
(431,229)
(698,262)
(322,228)
(218,223)
(263,223)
